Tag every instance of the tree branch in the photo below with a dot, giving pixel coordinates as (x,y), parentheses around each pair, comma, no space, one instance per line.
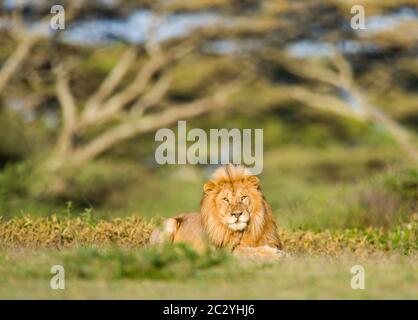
(149,123)
(115,103)
(110,83)
(153,97)
(322,102)
(343,79)
(13,63)
(69,112)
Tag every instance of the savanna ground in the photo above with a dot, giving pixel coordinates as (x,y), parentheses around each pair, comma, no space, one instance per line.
(326,226)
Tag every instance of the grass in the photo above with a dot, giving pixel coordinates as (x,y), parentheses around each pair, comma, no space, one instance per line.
(133,232)
(110,259)
(386,277)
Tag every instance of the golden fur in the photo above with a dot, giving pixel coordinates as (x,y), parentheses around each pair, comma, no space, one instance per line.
(234,214)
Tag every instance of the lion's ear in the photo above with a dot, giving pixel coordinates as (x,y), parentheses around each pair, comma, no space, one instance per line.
(254,181)
(208,186)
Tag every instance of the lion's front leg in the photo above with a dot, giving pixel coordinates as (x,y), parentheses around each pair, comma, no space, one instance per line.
(259,253)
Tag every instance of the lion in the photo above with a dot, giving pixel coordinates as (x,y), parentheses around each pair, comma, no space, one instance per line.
(234,214)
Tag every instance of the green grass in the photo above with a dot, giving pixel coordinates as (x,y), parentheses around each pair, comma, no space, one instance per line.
(90,274)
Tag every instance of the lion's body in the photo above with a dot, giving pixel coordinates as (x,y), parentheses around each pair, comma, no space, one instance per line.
(190,230)
(184,228)
(234,214)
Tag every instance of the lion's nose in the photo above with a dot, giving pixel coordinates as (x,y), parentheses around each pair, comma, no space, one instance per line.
(237,214)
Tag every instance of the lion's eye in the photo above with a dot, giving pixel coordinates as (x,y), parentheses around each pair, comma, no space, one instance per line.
(226,200)
(243,198)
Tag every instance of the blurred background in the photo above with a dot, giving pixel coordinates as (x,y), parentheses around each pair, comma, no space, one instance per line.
(79,107)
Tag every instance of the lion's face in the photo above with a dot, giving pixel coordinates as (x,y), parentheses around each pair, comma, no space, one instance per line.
(235,212)
(234,206)
(234,203)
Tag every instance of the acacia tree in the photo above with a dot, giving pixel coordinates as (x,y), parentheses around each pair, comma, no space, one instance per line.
(134,98)
(331,83)
(131,100)
(351,100)
(128,112)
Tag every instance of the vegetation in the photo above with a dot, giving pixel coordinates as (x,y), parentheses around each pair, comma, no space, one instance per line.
(132,233)
(105,257)
(79,109)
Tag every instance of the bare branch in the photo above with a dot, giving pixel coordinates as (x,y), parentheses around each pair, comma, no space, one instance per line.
(12,64)
(111,82)
(307,70)
(115,103)
(345,75)
(27,40)
(322,102)
(69,112)
(343,80)
(110,108)
(137,126)
(151,42)
(153,97)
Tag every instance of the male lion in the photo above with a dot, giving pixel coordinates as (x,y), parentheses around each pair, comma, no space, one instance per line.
(234,214)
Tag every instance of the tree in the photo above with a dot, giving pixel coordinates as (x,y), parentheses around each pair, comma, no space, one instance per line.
(135,96)
(352,101)
(129,106)
(122,106)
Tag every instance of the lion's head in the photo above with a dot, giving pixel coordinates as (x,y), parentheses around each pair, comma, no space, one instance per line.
(234,209)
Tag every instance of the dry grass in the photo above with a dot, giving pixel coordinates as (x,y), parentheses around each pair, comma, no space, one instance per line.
(133,232)
(361,242)
(65,232)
